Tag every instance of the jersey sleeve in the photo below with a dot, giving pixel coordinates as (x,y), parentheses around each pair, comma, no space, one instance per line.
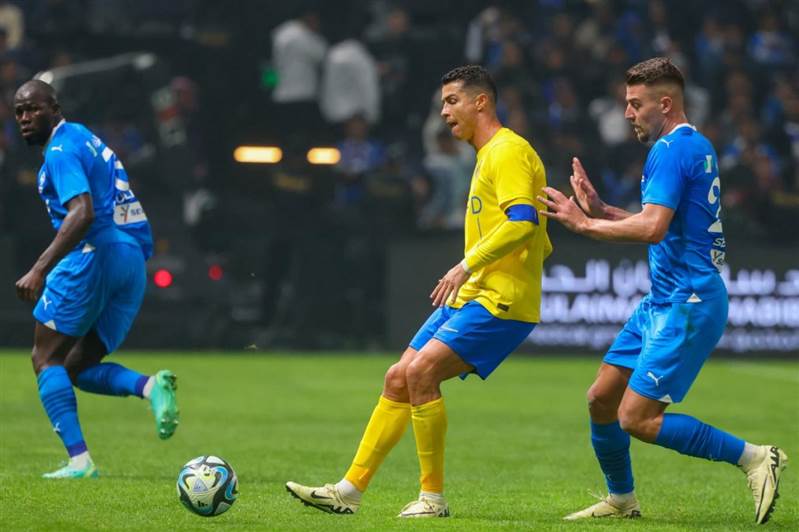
(66,173)
(514,175)
(665,181)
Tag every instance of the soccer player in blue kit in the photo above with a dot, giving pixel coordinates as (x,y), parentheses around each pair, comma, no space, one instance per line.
(659,352)
(90,280)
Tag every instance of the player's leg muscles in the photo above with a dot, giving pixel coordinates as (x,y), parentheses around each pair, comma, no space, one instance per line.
(55,389)
(88,372)
(605,394)
(386,426)
(641,416)
(50,348)
(645,419)
(435,363)
(611,444)
(395,386)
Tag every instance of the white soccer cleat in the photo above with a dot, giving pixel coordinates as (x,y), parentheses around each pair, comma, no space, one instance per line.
(426,506)
(764,481)
(325,498)
(608,507)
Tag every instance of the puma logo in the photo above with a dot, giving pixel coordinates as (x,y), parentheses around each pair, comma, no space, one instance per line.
(654,378)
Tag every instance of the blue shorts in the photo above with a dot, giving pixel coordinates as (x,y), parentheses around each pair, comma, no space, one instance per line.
(666,345)
(95,288)
(477,336)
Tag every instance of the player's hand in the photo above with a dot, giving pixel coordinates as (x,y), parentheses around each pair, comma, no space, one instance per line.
(563,209)
(584,191)
(449,285)
(30,285)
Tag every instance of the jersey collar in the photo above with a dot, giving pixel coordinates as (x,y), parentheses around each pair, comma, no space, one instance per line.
(678,126)
(52,133)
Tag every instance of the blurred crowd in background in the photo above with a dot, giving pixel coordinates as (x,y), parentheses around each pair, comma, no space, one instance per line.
(363,76)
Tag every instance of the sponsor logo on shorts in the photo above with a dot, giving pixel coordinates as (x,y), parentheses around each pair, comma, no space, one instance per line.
(654,378)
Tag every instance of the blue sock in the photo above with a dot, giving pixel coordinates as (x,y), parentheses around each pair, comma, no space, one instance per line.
(58,398)
(612,449)
(688,435)
(111,379)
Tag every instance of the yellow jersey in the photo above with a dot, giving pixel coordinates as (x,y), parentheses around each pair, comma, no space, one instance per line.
(508,172)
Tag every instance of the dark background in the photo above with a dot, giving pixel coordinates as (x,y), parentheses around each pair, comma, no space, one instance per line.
(341,257)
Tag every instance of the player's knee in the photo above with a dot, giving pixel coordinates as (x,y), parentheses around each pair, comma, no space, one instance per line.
(419,373)
(599,401)
(631,423)
(395,381)
(42,360)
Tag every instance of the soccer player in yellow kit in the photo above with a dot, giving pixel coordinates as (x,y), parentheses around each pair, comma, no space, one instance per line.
(487,304)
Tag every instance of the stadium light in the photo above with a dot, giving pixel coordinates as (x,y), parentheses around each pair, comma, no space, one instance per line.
(258,154)
(162,278)
(324,156)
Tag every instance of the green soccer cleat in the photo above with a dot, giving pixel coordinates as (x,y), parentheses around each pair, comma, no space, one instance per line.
(425,506)
(70,472)
(326,498)
(164,403)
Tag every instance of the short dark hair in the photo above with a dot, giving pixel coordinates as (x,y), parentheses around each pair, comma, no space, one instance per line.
(654,71)
(472,76)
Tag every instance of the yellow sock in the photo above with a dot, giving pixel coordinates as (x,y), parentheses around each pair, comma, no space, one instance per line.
(430,428)
(384,430)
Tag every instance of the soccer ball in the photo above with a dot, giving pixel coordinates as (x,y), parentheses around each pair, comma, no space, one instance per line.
(207,486)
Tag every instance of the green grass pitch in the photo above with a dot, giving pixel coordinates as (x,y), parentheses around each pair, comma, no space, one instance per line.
(518,452)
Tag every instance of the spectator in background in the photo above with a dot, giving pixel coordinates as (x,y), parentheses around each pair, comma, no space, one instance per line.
(350,83)
(390,40)
(12,21)
(360,155)
(747,143)
(450,172)
(298,50)
(697,98)
(594,35)
(770,46)
(608,113)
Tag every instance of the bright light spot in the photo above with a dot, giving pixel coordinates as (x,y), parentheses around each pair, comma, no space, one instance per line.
(46,76)
(215,272)
(162,278)
(258,154)
(324,156)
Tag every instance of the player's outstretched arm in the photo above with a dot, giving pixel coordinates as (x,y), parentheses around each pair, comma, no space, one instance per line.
(79,218)
(587,198)
(647,227)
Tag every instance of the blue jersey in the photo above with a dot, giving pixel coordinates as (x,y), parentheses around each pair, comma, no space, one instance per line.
(681,173)
(77,162)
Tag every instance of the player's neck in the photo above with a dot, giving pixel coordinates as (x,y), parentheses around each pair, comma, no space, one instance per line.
(59,121)
(671,123)
(484,132)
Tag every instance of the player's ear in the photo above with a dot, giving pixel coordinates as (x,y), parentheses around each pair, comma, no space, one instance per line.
(481,101)
(666,103)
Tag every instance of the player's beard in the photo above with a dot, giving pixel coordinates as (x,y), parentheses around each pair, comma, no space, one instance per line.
(641,134)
